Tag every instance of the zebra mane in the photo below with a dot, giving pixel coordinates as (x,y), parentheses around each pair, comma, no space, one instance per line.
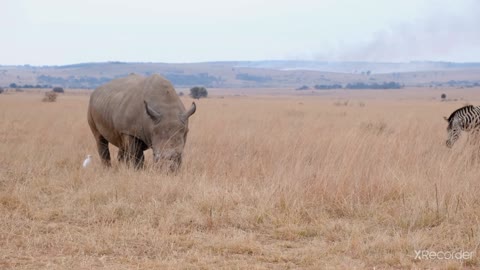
(450,118)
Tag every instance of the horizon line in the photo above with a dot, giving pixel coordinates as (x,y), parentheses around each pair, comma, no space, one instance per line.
(239,61)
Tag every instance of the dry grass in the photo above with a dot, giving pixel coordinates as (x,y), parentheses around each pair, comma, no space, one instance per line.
(282,183)
(50,97)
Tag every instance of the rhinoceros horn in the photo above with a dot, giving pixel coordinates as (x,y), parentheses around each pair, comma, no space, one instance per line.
(156,116)
(191,111)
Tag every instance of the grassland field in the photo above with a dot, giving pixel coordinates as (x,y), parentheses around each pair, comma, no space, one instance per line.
(283,180)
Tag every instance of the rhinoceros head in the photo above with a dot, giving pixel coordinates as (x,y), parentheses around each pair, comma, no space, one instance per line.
(169,134)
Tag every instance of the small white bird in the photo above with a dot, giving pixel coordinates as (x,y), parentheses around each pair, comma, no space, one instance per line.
(87,161)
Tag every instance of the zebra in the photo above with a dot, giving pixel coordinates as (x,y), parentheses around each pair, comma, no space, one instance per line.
(467,119)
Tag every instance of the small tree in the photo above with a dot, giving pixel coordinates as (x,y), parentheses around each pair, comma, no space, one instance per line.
(50,96)
(58,90)
(198,92)
(13,85)
(443,97)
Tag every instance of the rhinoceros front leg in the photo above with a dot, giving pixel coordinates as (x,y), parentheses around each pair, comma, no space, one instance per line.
(132,151)
(139,159)
(103,152)
(129,157)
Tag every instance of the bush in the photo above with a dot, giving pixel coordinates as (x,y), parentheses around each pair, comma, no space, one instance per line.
(253,78)
(58,90)
(1,90)
(198,92)
(443,96)
(341,103)
(180,93)
(385,85)
(328,86)
(50,97)
(303,87)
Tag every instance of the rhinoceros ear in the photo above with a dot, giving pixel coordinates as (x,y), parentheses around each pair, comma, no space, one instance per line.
(446,119)
(156,116)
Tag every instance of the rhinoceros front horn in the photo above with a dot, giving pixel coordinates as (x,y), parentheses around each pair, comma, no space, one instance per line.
(191,111)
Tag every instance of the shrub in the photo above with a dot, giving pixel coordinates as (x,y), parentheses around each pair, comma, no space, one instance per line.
(50,97)
(303,87)
(328,86)
(198,92)
(58,90)
(254,78)
(385,85)
(1,90)
(443,96)
(377,127)
(341,103)
(180,93)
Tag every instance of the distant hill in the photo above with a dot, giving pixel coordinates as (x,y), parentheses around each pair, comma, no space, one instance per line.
(358,67)
(247,74)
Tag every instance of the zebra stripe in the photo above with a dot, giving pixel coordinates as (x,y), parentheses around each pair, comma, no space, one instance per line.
(464,119)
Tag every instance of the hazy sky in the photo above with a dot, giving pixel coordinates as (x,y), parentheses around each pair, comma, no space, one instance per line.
(50,32)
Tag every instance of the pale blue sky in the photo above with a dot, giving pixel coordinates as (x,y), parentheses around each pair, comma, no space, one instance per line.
(59,32)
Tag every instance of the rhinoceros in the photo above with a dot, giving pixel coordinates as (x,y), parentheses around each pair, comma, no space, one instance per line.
(136,113)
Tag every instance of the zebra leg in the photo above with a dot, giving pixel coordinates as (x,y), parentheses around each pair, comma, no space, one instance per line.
(474,141)
(474,138)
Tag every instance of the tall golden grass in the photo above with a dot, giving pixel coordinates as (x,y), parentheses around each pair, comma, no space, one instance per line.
(267,183)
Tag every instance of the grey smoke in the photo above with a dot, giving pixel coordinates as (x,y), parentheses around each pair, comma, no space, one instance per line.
(442,35)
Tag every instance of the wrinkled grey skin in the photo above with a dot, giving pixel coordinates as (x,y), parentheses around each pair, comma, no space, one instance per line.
(137,113)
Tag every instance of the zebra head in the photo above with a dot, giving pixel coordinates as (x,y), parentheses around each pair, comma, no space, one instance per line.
(454,128)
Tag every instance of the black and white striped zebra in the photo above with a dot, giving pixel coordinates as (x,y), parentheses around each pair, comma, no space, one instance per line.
(464,119)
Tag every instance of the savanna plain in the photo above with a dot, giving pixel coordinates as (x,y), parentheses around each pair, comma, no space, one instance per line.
(341,180)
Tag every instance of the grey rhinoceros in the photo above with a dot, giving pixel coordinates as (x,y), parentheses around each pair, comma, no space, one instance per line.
(137,113)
